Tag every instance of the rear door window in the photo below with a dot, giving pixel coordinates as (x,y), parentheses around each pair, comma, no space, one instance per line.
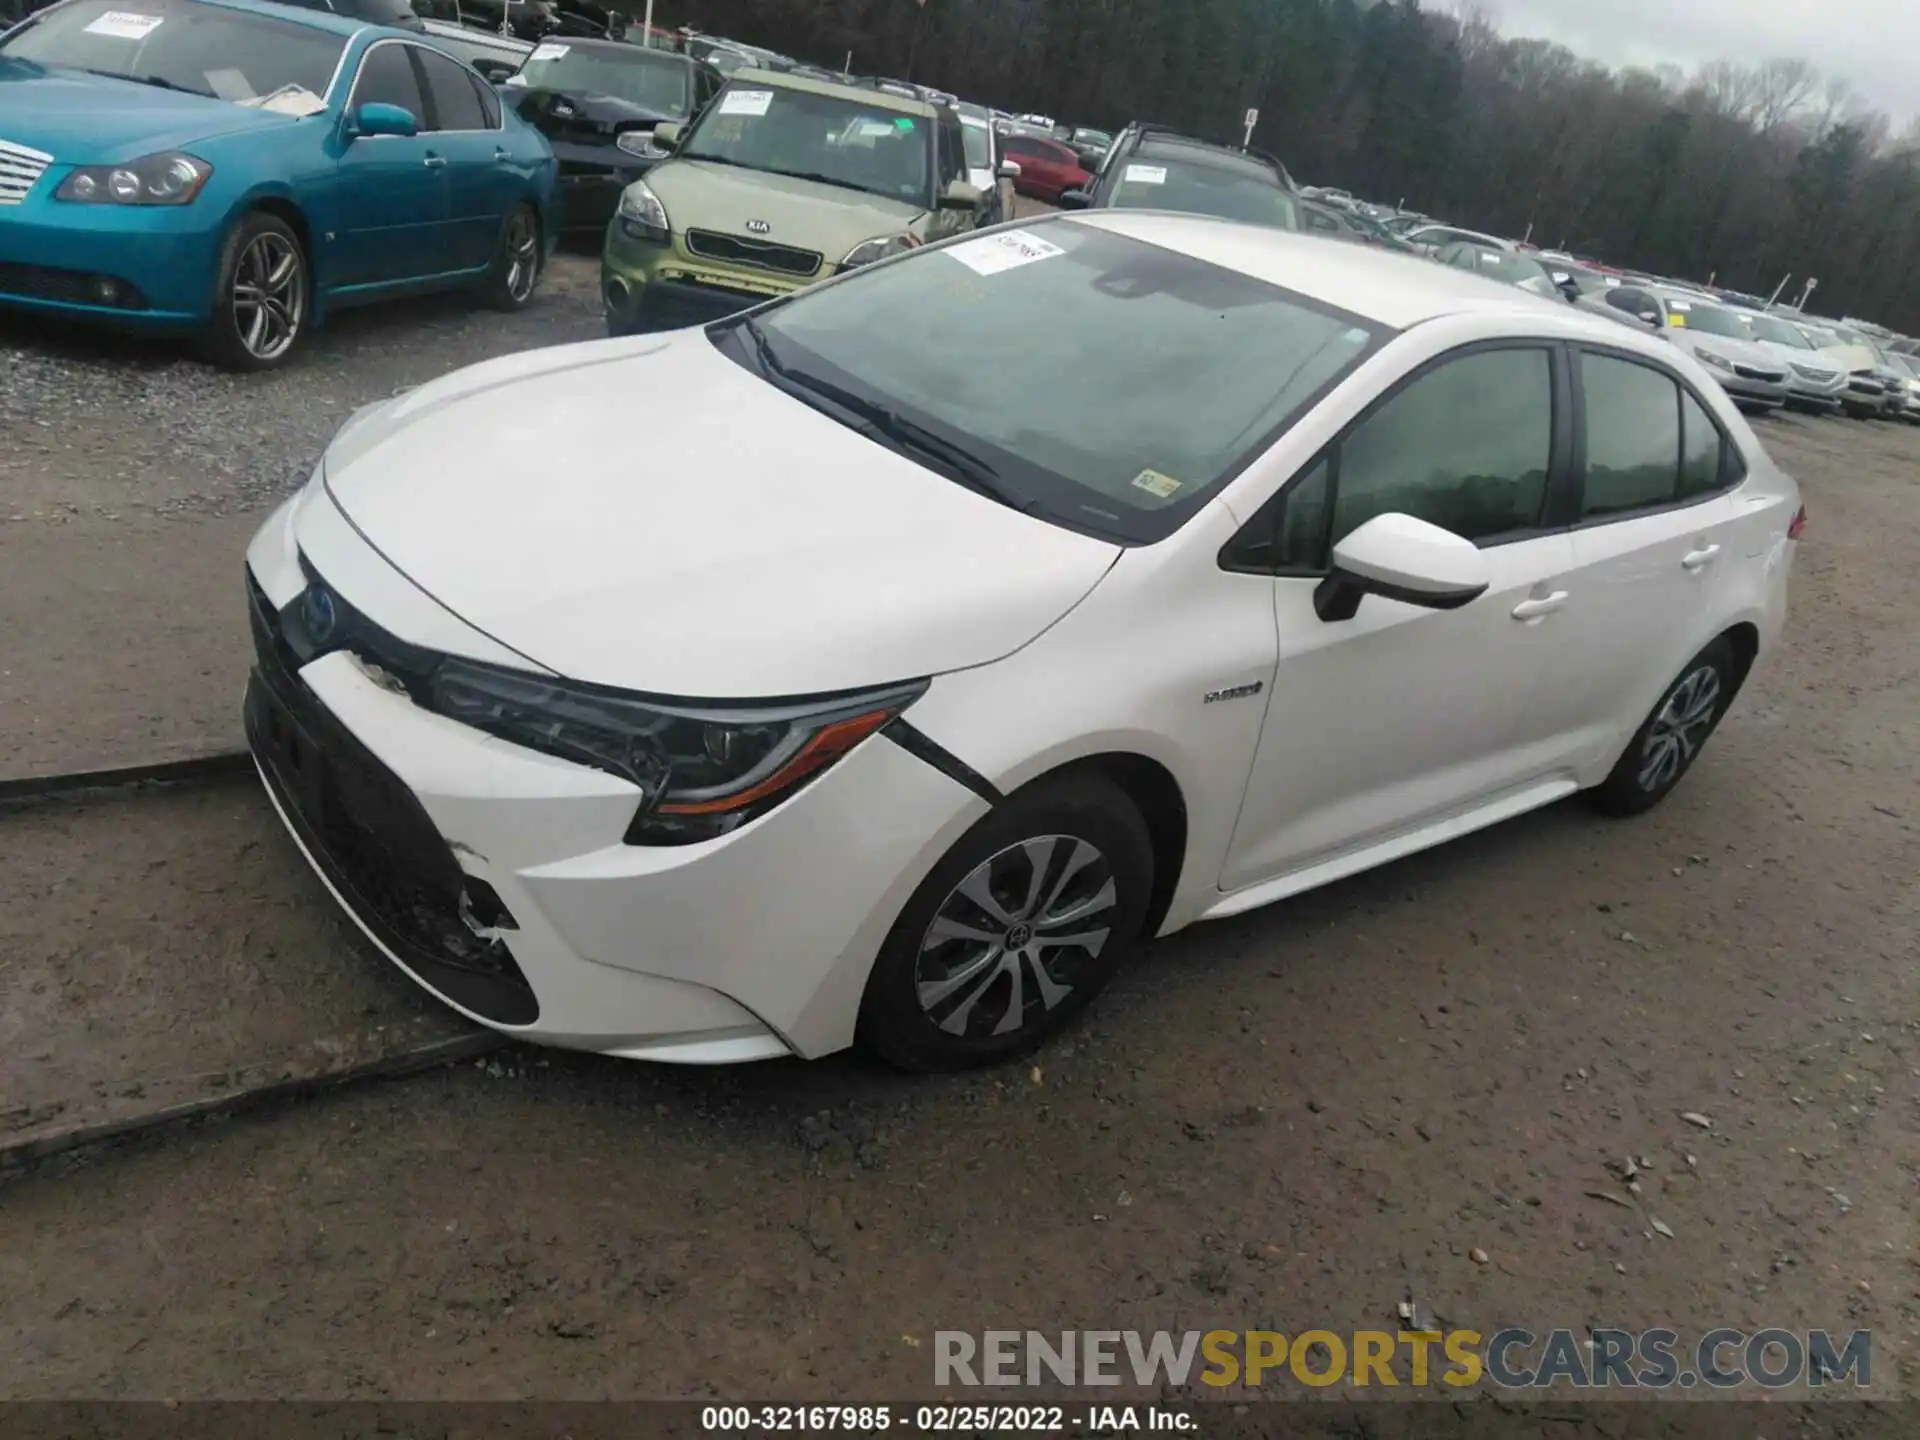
(1633,436)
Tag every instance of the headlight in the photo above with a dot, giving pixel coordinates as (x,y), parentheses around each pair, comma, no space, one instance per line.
(881,247)
(169,179)
(1717,361)
(642,215)
(702,770)
(639,142)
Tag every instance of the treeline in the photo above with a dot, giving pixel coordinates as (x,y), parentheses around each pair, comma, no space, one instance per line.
(1747,175)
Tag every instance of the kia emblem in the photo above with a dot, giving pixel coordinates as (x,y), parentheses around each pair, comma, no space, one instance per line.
(758,227)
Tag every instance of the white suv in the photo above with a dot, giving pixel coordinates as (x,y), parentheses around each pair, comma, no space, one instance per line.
(886,664)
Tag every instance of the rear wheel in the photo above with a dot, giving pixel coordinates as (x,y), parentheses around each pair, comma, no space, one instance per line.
(1015,931)
(1670,739)
(516,263)
(262,296)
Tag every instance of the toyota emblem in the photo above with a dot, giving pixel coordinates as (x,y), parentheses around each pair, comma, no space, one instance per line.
(758,227)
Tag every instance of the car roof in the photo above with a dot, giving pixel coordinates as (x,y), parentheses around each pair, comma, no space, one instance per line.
(623,47)
(860,94)
(1160,146)
(344,26)
(1383,286)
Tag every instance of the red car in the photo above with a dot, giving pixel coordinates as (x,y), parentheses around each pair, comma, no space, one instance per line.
(1046,167)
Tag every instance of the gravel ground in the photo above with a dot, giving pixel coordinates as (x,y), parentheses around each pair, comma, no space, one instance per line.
(1301,1116)
(132,477)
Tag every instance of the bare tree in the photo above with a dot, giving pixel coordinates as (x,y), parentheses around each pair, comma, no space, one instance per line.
(1729,89)
(1784,87)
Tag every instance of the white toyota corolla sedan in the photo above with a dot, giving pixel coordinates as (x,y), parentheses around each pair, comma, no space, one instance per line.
(889,663)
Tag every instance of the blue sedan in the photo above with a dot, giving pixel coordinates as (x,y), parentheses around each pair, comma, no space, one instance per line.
(234,171)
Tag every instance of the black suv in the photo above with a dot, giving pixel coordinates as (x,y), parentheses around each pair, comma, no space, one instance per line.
(1151,167)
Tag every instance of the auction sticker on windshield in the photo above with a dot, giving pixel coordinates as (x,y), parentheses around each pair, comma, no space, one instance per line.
(124,25)
(547,52)
(1147,174)
(1009,250)
(745,102)
(1155,484)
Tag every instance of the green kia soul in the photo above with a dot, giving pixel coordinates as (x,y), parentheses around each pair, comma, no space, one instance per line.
(784,180)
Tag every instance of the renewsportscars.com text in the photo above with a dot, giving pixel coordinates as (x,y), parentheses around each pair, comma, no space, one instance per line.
(1600,1359)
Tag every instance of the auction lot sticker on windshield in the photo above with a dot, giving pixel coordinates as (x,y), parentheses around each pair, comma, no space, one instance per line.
(1009,250)
(547,52)
(746,102)
(1159,486)
(124,24)
(1147,174)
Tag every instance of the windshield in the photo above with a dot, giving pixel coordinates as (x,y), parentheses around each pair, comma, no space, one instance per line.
(835,140)
(238,55)
(1709,319)
(651,82)
(1232,194)
(973,134)
(1777,332)
(1092,137)
(1155,377)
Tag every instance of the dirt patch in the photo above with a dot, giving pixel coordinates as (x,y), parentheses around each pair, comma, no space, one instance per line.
(1297,1117)
(167,947)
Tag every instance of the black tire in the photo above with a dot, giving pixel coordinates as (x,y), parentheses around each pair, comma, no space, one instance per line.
(1054,821)
(518,258)
(252,303)
(1670,739)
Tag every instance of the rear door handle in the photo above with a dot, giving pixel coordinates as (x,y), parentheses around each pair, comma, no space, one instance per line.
(1545,605)
(1698,559)
(436,162)
(502,155)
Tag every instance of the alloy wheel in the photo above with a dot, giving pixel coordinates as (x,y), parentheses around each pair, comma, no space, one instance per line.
(1011,938)
(523,255)
(1677,731)
(269,296)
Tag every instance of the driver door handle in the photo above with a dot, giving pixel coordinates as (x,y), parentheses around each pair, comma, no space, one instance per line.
(501,154)
(435,162)
(1545,605)
(1697,559)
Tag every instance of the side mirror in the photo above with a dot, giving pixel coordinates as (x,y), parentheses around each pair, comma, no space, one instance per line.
(1075,199)
(376,117)
(1398,557)
(495,72)
(1007,170)
(957,196)
(666,135)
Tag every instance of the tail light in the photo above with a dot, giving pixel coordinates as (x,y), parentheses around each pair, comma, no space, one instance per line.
(1797,524)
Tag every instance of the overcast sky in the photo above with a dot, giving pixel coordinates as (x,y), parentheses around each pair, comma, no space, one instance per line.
(1874,43)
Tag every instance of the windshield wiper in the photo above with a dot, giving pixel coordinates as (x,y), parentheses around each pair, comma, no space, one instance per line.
(880,420)
(159,82)
(716,159)
(763,349)
(820,179)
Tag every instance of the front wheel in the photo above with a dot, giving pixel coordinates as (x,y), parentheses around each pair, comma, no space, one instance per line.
(515,270)
(1670,739)
(262,296)
(1015,931)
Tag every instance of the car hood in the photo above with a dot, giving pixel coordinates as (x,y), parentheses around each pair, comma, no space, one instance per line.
(579,117)
(1851,358)
(803,213)
(1812,359)
(83,119)
(1741,352)
(649,515)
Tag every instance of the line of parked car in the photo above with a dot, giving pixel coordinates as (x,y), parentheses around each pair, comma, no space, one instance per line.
(1765,355)
(236,170)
